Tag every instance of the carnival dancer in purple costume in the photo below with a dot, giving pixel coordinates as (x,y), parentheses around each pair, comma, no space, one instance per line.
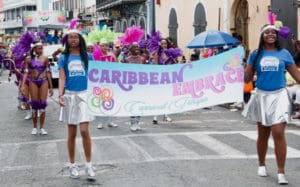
(162,54)
(19,51)
(37,69)
(73,67)
(270,106)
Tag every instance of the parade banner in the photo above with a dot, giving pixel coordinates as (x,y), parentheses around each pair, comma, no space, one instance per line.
(117,89)
(40,18)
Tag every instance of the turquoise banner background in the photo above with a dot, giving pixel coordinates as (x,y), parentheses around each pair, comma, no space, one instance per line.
(117,89)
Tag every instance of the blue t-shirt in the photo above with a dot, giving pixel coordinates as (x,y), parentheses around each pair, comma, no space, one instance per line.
(270,67)
(76,74)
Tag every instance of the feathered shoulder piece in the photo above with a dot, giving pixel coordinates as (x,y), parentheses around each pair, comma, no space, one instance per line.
(132,35)
(97,52)
(173,52)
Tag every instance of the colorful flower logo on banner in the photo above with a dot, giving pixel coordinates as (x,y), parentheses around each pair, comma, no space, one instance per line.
(102,98)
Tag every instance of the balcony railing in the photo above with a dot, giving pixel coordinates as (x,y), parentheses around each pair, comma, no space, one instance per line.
(11,24)
(105,4)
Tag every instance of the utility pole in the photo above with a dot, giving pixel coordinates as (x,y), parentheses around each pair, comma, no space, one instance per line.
(150,15)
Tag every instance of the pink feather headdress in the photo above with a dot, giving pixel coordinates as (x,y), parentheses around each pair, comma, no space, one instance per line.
(132,35)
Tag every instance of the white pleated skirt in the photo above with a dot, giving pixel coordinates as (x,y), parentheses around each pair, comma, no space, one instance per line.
(75,110)
(269,107)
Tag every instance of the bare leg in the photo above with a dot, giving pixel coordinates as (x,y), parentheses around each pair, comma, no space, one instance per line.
(72,130)
(280,145)
(262,143)
(42,118)
(34,118)
(86,140)
(43,94)
(34,94)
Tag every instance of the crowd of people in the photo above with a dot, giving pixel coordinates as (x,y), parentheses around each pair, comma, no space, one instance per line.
(265,66)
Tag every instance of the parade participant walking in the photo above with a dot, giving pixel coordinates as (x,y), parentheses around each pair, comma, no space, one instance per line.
(164,55)
(37,68)
(135,58)
(270,106)
(73,66)
(104,55)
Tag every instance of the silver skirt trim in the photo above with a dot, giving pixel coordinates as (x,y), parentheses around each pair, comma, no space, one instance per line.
(75,110)
(269,107)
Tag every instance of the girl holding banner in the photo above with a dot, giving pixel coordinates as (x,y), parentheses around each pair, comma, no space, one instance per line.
(270,106)
(73,67)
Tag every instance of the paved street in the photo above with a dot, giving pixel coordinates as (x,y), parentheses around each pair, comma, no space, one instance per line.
(213,147)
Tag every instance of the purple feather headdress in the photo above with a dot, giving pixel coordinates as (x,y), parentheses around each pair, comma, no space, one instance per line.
(153,41)
(283,31)
(143,44)
(73,23)
(1,56)
(23,46)
(41,35)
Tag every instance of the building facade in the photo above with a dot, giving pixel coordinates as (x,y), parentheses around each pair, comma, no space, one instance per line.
(72,7)
(12,15)
(121,14)
(84,9)
(182,21)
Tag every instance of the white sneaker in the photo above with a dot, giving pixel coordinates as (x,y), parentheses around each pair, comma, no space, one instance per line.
(111,124)
(28,115)
(134,127)
(43,131)
(155,122)
(281,179)
(90,173)
(167,118)
(100,126)
(34,131)
(73,169)
(262,171)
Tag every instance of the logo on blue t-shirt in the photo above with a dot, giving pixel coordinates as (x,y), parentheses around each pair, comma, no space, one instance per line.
(269,63)
(76,68)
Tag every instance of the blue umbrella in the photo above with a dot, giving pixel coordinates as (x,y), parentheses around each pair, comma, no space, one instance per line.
(212,38)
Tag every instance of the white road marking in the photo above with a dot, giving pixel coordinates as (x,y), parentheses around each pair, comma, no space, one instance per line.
(216,145)
(47,152)
(175,149)
(291,152)
(136,152)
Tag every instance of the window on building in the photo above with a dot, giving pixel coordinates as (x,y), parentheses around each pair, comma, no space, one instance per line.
(173,25)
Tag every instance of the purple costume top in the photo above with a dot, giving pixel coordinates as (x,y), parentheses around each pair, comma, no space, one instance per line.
(41,68)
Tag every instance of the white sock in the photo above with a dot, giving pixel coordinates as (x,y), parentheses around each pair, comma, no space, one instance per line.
(88,164)
(72,164)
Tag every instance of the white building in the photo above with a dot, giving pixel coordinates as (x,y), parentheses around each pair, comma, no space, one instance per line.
(12,11)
